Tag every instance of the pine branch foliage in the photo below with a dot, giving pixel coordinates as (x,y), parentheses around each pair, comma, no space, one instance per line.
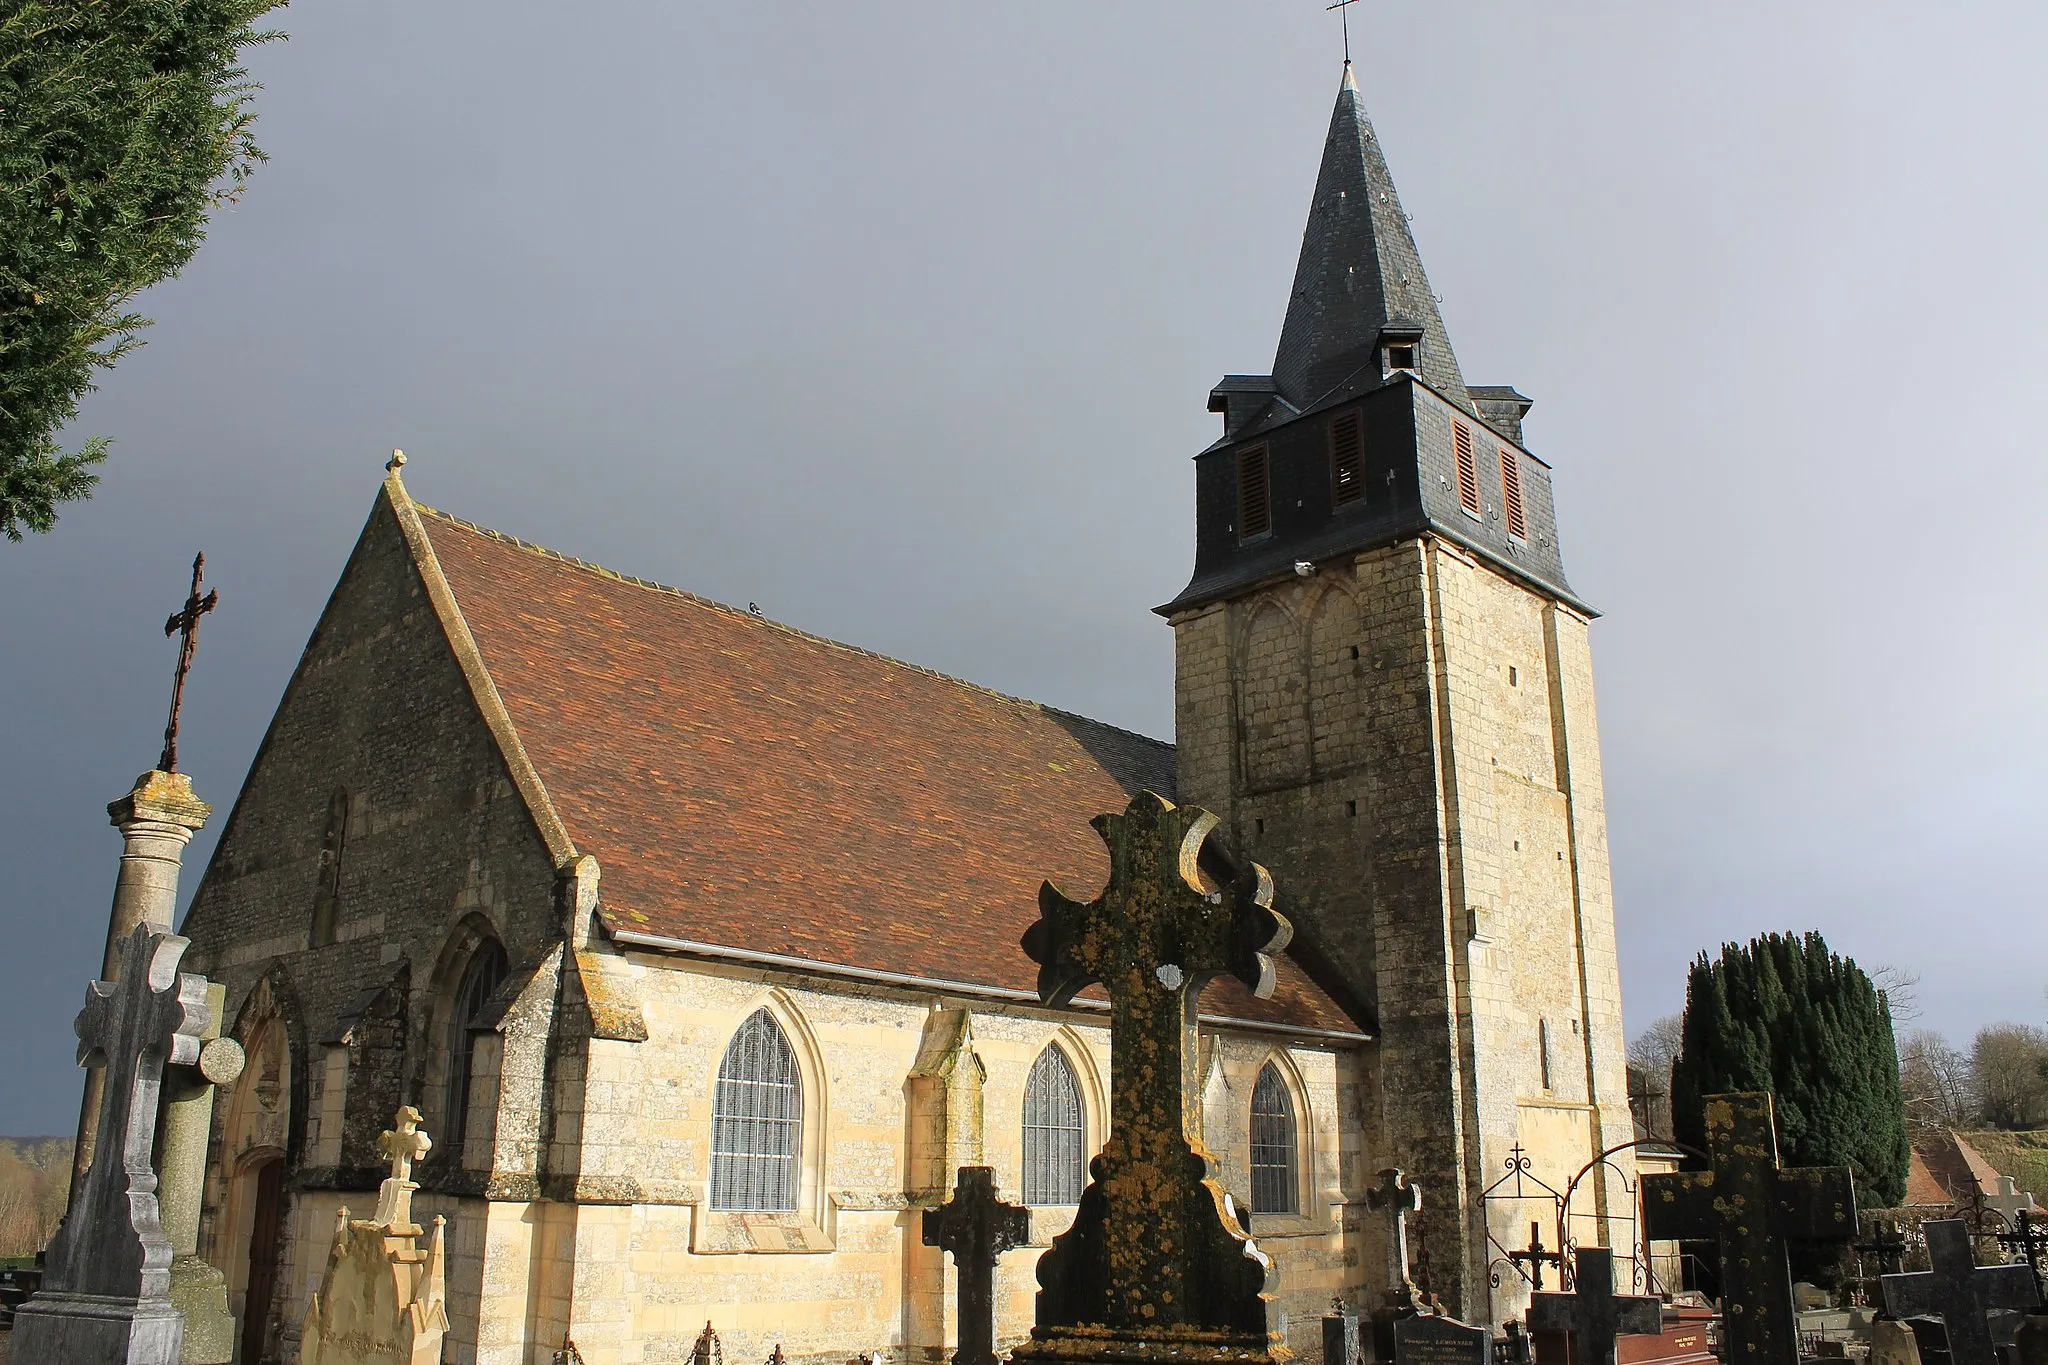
(122,124)
(1785,1014)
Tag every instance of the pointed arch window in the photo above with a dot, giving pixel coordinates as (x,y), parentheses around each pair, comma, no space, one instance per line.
(1052,1131)
(327,901)
(757,1121)
(480,980)
(1275,1188)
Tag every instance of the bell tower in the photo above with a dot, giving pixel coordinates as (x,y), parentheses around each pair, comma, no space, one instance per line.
(1384,688)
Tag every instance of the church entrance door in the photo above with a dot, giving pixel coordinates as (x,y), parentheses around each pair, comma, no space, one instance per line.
(265,1242)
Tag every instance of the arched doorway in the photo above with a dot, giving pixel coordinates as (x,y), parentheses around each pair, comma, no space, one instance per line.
(263,1184)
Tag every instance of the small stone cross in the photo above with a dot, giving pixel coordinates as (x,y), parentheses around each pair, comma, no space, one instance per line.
(976,1227)
(2028,1243)
(1960,1291)
(1749,1206)
(2009,1199)
(1536,1256)
(401,1145)
(112,1241)
(1397,1196)
(1594,1314)
(1156,1248)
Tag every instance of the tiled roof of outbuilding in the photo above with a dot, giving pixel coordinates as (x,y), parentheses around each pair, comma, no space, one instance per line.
(748,786)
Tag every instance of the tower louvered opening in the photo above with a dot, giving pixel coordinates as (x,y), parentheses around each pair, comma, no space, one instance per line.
(1468,468)
(1254,494)
(1511,493)
(1347,456)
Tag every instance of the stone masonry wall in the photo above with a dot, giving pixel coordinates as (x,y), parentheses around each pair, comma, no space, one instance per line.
(1408,741)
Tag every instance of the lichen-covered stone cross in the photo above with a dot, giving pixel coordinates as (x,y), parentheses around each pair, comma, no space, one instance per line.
(1156,1248)
(401,1145)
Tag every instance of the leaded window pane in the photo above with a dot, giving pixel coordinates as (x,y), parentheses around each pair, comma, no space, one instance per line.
(1052,1132)
(757,1120)
(480,980)
(1274,1187)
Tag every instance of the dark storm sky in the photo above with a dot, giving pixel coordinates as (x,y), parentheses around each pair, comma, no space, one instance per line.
(899,320)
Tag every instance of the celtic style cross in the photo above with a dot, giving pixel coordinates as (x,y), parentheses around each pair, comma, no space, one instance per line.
(976,1227)
(1749,1206)
(1156,1250)
(1960,1290)
(1593,1314)
(185,623)
(1397,1196)
(1536,1256)
(401,1145)
(112,1241)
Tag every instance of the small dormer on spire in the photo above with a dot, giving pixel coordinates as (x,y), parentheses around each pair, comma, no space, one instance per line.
(1361,303)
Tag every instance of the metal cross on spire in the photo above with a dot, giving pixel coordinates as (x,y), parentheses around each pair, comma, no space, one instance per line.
(184,622)
(1343,8)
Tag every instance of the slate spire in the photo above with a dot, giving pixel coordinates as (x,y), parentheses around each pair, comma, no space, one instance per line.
(1359,274)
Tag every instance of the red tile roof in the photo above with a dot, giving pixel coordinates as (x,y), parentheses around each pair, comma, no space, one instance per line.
(748,786)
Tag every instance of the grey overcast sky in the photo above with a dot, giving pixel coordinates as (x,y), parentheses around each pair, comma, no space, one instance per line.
(898,319)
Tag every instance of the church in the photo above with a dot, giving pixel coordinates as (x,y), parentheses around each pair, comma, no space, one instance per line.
(695,938)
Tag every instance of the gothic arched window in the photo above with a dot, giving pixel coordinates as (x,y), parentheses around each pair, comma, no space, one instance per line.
(756,1121)
(1274,1186)
(1052,1131)
(327,900)
(480,979)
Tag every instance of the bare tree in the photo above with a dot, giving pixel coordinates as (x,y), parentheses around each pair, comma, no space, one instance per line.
(1936,1080)
(1654,1048)
(1901,989)
(2009,1075)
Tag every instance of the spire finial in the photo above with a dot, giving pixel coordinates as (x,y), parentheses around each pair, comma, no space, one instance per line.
(1343,8)
(396,462)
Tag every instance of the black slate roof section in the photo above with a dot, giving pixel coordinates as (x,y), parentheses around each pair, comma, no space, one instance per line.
(1359,271)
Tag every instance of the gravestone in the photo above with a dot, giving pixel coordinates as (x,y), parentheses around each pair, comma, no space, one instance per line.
(1748,1206)
(1893,1343)
(1960,1291)
(1156,1265)
(105,1296)
(1593,1314)
(1340,1335)
(1428,1339)
(198,1289)
(977,1228)
(1395,1196)
(383,1299)
(2009,1199)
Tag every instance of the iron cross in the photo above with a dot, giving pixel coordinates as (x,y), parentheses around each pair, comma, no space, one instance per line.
(1536,1256)
(184,622)
(2028,1243)
(1343,8)
(1750,1205)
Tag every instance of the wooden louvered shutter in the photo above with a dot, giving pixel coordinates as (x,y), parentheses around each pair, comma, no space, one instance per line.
(1254,494)
(1347,456)
(1511,493)
(1468,471)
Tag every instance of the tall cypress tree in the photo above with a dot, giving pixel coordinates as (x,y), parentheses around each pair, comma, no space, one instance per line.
(1785,1014)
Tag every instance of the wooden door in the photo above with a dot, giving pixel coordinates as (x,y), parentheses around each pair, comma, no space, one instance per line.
(265,1244)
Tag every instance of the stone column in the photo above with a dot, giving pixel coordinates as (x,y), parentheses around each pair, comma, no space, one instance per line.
(157,819)
(197,1288)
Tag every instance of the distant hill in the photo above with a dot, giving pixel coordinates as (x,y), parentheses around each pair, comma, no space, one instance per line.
(35,1179)
(2023,1156)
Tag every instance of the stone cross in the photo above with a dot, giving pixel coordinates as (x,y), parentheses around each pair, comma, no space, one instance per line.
(1960,1291)
(1749,1205)
(1536,1256)
(2009,1198)
(2028,1243)
(185,624)
(401,1146)
(1396,1196)
(106,1283)
(1156,1253)
(976,1227)
(1594,1314)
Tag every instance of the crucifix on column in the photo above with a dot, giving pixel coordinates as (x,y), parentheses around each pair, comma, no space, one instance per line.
(977,1228)
(184,623)
(1960,1291)
(1156,1255)
(1749,1205)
